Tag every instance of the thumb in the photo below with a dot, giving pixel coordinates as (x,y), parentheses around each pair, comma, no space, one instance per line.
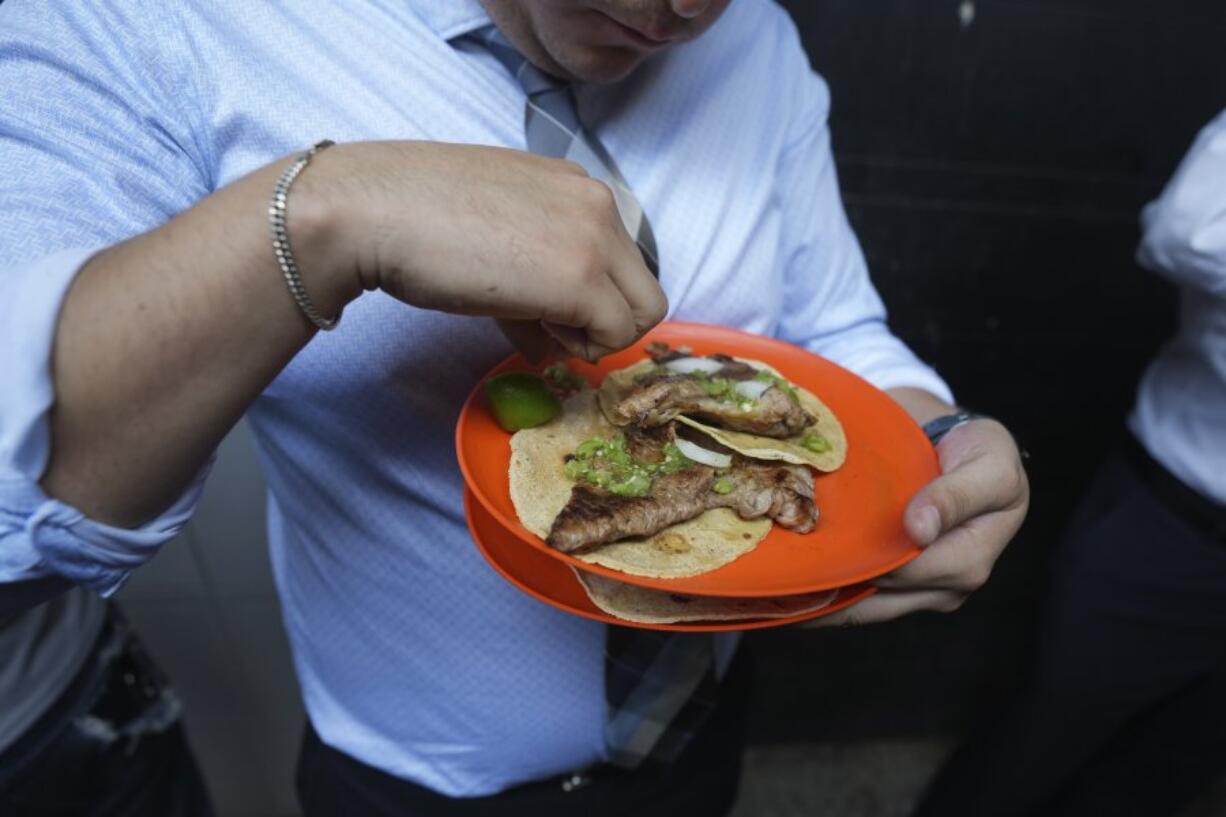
(967,490)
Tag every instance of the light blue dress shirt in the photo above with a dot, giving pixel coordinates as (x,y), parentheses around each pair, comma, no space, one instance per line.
(414,656)
(1180,413)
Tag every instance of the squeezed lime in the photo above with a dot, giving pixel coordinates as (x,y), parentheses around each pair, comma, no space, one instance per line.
(521,400)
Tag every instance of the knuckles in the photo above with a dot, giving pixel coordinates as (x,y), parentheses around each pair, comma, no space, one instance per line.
(951,603)
(657,310)
(596,199)
(972,578)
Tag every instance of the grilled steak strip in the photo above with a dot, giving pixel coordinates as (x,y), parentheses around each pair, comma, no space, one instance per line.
(595,517)
(661,353)
(647,444)
(659,398)
(782,491)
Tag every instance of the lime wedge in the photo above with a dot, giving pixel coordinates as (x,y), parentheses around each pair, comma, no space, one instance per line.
(521,400)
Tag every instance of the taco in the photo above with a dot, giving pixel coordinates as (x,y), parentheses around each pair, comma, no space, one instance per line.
(632,500)
(647,606)
(745,405)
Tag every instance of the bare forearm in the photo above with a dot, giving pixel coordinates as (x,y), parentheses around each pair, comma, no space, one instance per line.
(162,344)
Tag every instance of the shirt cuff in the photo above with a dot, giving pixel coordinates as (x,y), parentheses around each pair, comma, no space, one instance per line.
(41,536)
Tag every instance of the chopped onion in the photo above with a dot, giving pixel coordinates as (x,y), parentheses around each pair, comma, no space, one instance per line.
(699,454)
(752,388)
(688,365)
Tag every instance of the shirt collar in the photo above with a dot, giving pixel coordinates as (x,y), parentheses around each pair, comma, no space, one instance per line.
(450,18)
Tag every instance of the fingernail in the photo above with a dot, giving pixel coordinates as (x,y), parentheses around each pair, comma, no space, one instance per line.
(689,8)
(927,525)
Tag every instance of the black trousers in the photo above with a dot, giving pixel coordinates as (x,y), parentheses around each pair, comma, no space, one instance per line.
(702,782)
(110,746)
(1124,710)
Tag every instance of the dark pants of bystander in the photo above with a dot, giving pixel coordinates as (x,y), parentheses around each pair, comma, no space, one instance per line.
(1124,709)
(110,746)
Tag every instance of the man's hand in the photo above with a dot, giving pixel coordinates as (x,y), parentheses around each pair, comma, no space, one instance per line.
(963,519)
(532,241)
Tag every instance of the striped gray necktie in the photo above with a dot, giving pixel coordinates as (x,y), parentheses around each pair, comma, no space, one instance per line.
(552,126)
(659,686)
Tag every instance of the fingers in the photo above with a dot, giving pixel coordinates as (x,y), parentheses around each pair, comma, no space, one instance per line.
(574,341)
(618,260)
(965,518)
(630,274)
(961,560)
(885,605)
(529,338)
(647,301)
(593,320)
(982,473)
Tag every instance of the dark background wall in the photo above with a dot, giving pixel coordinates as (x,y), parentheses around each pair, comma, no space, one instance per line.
(994,172)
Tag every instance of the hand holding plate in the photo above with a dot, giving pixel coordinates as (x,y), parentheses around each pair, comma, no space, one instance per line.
(964,519)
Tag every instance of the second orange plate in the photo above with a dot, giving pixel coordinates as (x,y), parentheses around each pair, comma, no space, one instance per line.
(554,583)
(859,534)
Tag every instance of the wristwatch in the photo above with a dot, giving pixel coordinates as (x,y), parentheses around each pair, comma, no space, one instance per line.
(938,428)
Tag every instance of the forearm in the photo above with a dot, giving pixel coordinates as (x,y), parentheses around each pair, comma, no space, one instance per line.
(162,343)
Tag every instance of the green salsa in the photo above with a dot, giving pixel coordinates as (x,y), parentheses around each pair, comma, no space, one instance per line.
(815,442)
(721,388)
(606,463)
(722,486)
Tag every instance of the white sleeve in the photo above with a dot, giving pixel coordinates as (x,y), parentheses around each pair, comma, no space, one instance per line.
(832,307)
(1184,229)
(95,147)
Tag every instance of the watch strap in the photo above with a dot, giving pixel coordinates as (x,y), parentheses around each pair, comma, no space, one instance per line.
(938,428)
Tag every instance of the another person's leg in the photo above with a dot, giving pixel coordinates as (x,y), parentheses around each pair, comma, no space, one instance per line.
(110,746)
(1136,616)
(1164,760)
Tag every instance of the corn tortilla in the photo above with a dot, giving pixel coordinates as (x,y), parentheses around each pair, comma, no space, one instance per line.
(645,605)
(540,489)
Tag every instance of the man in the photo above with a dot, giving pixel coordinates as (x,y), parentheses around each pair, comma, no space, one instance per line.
(427,679)
(1123,711)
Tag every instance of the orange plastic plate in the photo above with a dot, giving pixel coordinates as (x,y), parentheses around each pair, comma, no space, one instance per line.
(859,534)
(551,581)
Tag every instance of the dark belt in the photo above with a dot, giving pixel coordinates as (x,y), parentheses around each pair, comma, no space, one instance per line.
(1199,511)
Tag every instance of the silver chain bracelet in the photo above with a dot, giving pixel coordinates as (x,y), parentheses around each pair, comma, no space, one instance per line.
(280,238)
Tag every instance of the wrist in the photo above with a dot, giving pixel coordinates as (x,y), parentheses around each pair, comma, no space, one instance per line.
(937,428)
(316,221)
